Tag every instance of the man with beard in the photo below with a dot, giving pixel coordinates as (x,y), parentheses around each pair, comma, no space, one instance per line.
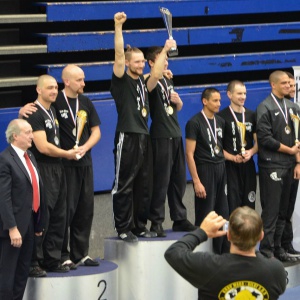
(79,173)
(133,154)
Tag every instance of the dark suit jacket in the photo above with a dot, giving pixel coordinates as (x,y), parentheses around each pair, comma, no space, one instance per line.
(16,194)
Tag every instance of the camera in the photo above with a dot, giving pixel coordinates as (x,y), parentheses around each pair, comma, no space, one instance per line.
(225,226)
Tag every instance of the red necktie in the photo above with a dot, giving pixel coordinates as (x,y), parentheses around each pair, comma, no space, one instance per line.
(35,187)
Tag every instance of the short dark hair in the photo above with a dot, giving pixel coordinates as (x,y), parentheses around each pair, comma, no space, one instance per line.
(245,228)
(290,75)
(207,93)
(152,52)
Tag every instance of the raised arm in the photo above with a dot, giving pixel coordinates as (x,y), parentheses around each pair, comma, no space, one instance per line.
(119,65)
(158,69)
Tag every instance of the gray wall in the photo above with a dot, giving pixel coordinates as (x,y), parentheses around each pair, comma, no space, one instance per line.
(103,219)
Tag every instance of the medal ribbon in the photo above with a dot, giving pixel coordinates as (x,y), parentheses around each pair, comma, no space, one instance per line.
(165,90)
(285,109)
(214,134)
(70,109)
(141,92)
(234,116)
(51,117)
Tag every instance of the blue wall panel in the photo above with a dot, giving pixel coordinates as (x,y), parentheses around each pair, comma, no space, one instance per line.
(102,153)
(197,64)
(102,40)
(80,11)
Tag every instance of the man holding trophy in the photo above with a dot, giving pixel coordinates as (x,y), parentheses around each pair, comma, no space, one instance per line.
(278,161)
(240,145)
(133,152)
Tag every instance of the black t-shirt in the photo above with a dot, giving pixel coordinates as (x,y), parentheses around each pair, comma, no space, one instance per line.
(42,121)
(232,140)
(226,276)
(164,125)
(130,96)
(198,130)
(67,125)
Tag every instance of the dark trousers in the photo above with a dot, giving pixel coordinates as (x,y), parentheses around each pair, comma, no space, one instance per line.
(14,265)
(80,212)
(132,189)
(275,191)
(213,177)
(169,178)
(288,235)
(241,184)
(54,179)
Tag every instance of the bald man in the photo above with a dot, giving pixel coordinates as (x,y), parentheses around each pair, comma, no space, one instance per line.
(48,153)
(278,161)
(79,173)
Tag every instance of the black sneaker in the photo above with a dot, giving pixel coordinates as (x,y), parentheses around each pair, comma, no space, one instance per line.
(128,237)
(183,225)
(37,271)
(158,229)
(290,251)
(89,262)
(69,264)
(284,257)
(58,269)
(145,233)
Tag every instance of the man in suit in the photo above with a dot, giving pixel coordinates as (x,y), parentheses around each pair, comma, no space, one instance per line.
(21,209)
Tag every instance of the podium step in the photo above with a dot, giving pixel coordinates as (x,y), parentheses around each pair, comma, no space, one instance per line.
(143,271)
(84,283)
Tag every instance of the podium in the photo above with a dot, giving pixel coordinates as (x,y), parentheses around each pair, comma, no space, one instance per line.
(144,272)
(84,283)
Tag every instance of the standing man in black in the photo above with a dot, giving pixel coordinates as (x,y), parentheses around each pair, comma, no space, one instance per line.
(169,172)
(21,209)
(133,154)
(240,167)
(204,134)
(47,151)
(278,161)
(79,173)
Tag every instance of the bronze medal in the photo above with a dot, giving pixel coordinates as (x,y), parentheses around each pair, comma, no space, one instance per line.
(217,149)
(287,129)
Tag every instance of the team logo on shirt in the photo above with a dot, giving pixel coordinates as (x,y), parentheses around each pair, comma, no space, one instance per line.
(274,176)
(64,113)
(220,132)
(244,290)
(48,124)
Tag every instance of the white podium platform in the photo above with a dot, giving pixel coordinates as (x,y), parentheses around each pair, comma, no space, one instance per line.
(85,283)
(143,271)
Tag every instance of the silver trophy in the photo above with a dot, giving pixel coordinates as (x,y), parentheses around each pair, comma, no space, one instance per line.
(167,17)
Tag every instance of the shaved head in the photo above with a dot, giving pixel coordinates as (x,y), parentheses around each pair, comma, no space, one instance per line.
(42,79)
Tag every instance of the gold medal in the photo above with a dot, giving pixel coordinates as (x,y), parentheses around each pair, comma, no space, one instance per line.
(217,149)
(170,110)
(287,129)
(144,112)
